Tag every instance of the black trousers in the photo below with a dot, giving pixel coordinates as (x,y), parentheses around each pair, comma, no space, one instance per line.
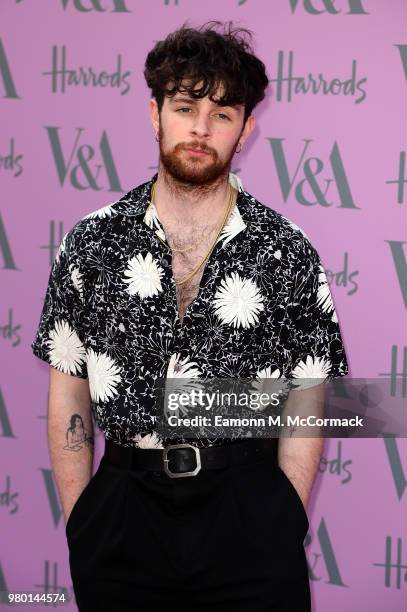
(229,540)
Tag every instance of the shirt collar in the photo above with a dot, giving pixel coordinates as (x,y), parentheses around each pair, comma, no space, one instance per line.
(135,204)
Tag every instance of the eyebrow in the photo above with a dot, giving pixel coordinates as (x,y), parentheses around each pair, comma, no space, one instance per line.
(184,100)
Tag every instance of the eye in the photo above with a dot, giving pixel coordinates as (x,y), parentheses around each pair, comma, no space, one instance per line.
(223,116)
(184,108)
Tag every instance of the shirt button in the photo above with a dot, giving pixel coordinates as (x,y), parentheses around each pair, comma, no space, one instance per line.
(165,262)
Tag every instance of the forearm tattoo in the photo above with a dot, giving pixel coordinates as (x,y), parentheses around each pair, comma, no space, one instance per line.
(77,436)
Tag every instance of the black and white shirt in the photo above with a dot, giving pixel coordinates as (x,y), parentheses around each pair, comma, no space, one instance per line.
(110,315)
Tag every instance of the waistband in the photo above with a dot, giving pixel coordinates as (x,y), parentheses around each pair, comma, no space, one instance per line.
(180,460)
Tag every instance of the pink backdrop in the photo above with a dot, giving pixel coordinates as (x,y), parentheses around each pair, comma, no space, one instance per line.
(332,160)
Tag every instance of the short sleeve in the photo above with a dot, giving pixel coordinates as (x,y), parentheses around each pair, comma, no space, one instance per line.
(317,346)
(59,339)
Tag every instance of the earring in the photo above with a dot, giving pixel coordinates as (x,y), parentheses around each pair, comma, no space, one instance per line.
(239,144)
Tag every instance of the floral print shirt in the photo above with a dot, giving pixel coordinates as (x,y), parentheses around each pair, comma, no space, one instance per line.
(264,309)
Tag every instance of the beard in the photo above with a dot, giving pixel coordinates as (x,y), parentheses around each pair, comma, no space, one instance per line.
(195,171)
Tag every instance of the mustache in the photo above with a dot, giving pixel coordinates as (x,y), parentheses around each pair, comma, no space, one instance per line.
(195,145)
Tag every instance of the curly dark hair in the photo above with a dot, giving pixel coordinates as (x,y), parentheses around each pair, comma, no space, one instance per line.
(215,58)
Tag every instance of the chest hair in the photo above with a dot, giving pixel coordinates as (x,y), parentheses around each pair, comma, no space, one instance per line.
(200,239)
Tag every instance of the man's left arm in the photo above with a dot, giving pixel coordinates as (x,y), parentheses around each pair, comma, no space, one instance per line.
(299,451)
(317,356)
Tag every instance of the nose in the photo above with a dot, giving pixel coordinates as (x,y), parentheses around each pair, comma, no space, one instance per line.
(200,126)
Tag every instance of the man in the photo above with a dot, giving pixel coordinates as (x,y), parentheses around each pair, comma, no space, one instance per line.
(187,276)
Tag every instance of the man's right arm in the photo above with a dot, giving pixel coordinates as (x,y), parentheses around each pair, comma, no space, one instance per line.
(70,435)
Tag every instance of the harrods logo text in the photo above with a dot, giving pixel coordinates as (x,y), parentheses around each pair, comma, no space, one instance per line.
(287,84)
(63,76)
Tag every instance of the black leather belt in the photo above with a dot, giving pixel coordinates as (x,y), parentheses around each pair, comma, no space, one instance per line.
(180,460)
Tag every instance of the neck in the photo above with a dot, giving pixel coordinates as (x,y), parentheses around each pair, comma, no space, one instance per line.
(188,204)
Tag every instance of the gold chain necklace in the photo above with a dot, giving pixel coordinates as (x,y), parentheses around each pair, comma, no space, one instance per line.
(231,199)
(231,202)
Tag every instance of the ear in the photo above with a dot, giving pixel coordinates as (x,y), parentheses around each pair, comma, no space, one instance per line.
(154,114)
(247,129)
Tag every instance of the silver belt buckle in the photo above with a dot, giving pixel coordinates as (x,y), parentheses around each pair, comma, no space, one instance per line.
(181,474)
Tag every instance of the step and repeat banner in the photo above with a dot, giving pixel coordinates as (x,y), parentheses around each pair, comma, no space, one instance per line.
(328,152)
